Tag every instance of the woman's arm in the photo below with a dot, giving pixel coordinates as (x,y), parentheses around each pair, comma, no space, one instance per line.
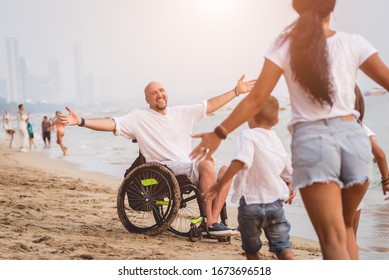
(376,69)
(245,110)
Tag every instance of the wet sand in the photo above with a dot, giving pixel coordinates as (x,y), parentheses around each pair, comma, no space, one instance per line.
(52,210)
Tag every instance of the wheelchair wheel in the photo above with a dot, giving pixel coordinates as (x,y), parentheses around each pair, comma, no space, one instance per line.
(189,212)
(194,234)
(148,199)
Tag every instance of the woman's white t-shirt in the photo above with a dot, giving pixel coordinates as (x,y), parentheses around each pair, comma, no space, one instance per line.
(346,54)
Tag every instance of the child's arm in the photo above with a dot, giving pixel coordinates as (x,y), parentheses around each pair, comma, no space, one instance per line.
(286,175)
(215,189)
(292,193)
(380,158)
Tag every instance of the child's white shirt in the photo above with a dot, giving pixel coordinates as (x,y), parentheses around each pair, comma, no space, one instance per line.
(266,167)
(367,130)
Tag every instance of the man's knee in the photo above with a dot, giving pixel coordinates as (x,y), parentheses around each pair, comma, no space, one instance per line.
(206,167)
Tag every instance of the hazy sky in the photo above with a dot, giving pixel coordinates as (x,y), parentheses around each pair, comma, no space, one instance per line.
(196,48)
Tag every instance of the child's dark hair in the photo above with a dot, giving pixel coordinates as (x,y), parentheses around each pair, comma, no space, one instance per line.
(269,112)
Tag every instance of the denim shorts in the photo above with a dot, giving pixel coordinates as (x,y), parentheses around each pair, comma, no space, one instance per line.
(270,218)
(330,150)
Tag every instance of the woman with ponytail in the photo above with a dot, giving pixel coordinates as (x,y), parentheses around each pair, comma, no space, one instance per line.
(331,154)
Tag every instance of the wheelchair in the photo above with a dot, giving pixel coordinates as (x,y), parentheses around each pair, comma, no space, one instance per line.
(151,200)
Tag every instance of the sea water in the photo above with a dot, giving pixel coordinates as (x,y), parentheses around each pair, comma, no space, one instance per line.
(103,152)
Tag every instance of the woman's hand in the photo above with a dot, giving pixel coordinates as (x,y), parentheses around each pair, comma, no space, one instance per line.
(208,145)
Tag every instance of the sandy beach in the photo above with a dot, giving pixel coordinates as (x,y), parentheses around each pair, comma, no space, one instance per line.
(52,210)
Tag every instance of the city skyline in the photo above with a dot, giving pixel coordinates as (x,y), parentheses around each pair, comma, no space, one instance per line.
(22,86)
(196,48)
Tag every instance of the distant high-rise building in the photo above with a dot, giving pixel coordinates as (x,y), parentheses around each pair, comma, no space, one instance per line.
(91,89)
(54,81)
(14,93)
(39,89)
(3,90)
(79,74)
(25,81)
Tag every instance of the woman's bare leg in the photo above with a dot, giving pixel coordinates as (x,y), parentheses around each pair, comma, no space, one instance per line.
(356,221)
(351,198)
(323,202)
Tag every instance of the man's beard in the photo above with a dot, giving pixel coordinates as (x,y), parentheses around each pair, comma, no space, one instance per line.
(161,107)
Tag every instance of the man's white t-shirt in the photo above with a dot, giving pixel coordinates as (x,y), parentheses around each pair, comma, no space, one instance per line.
(347,52)
(162,137)
(266,167)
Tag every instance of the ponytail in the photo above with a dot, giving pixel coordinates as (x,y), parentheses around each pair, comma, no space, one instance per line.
(308,49)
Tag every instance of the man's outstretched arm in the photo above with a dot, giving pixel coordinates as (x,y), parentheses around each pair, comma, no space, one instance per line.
(96,124)
(215,103)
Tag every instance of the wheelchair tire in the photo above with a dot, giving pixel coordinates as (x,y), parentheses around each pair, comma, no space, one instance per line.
(148,199)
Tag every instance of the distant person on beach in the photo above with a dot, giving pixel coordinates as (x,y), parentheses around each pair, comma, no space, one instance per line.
(378,153)
(7,125)
(30,130)
(164,135)
(46,131)
(60,128)
(22,133)
(262,185)
(320,67)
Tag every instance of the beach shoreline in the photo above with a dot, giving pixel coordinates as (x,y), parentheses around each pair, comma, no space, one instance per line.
(53,210)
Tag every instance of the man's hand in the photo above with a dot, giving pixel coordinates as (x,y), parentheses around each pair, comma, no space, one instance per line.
(243,87)
(70,119)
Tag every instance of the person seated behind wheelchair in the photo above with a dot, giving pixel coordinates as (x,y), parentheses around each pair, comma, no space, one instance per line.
(164,135)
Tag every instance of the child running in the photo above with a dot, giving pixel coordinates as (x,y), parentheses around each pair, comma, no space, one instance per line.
(60,132)
(261,186)
(378,153)
(30,131)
